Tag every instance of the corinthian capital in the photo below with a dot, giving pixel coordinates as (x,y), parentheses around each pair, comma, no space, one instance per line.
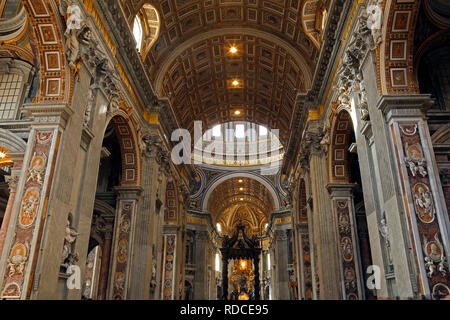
(12,182)
(163,161)
(311,143)
(151,146)
(280,235)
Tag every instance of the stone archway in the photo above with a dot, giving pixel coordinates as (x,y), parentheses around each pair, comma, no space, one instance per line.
(345,188)
(267,184)
(119,230)
(126,135)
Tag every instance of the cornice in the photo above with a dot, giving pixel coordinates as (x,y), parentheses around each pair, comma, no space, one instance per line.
(327,60)
(120,31)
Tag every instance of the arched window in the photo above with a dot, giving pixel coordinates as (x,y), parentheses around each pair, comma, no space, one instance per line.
(146,27)
(137,32)
(15,78)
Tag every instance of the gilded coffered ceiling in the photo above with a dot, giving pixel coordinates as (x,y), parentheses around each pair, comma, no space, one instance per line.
(190,62)
(246,197)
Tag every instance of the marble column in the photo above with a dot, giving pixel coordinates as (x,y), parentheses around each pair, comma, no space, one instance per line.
(143,275)
(256,263)
(347,240)
(169,262)
(304,261)
(104,268)
(281,284)
(124,226)
(29,210)
(417,179)
(12,184)
(323,222)
(224,276)
(201,271)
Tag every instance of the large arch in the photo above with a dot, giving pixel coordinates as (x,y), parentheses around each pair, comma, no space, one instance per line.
(12,143)
(131,160)
(264,182)
(341,130)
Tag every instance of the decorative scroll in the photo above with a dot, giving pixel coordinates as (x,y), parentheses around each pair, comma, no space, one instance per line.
(169,266)
(123,231)
(428,241)
(26,226)
(347,249)
(307,272)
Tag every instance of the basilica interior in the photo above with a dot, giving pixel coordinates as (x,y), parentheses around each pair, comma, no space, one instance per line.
(224,149)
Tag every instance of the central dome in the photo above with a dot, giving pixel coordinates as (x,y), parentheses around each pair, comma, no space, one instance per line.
(238,144)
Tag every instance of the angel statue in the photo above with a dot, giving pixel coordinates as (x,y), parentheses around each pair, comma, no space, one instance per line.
(74,25)
(68,256)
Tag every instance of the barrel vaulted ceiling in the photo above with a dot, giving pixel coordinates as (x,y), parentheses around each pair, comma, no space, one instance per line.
(240,192)
(190,63)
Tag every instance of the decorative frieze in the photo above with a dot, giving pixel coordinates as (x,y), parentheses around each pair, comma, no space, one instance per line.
(22,246)
(313,142)
(423,207)
(122,248)
(347,249)
(341,195)
(169,264)
(366,38)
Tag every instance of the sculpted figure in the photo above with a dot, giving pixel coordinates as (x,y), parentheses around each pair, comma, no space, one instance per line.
(68,257)
(424,201)
(17,262)
(375,18)
(74,24)
(384,231)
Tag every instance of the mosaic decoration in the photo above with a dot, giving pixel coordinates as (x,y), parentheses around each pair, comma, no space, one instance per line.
(347,250)
(122,254)
(169,267)
(28,219)
(422,210)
